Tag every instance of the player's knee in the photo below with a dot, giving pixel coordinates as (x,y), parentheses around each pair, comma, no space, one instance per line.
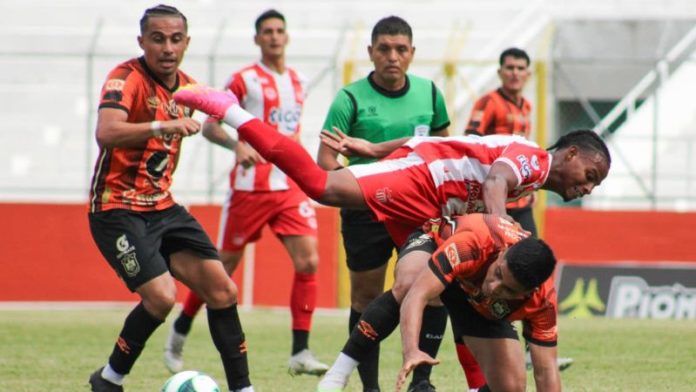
(222,295)
(400,288)
(511,381)
(160,303)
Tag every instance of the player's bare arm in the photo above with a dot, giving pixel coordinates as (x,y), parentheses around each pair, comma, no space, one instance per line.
(214,132)
(114,130)
(546,374)
(425,288)
(498,182)
(353,146)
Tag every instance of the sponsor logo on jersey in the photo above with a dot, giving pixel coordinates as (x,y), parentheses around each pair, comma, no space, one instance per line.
(172,109)
(113,96)
(153,102)
(452,254)
(114,84)
(286,119)
(525,170)
(535,162)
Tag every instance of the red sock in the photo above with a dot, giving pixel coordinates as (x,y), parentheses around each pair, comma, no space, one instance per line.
(192,304)
(472,370)
(303,300)
(288,155)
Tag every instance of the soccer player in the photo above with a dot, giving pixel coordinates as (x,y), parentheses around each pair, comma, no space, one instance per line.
(261,194)
(504,111)
(145,236)
(488,274)
(427,176)
(388,104)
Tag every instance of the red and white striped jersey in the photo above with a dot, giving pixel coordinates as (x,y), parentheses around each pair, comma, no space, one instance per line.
(277,99)
(458,166)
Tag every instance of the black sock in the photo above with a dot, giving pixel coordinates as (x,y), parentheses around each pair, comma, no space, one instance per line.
(300,340)
(368,369)
(380,319)
(137,328)
(227,334)
(432,330)
(484,388)
(183,323)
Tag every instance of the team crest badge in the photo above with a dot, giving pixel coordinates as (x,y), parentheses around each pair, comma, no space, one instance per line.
(153,102)
(130,264)
(499,309)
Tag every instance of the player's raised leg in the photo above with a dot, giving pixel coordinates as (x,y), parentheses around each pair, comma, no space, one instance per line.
(335,188)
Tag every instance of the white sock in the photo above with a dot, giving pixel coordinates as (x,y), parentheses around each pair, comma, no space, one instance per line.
(235,116)
(110,375)
(337,376)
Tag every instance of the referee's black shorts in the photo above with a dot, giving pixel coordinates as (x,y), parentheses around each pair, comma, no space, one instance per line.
(367,243)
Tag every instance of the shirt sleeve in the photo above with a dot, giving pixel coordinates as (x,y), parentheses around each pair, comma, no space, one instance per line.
(341,113)
(541,325)
(456,257)
(529,163)
(237,86)
(119,90)
(440,117)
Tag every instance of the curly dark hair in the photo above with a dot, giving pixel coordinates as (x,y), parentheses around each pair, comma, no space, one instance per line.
(586,140)
(531,261)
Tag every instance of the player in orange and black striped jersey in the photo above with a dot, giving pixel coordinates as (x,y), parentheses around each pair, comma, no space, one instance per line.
(146,237)
(489,273)
(505,111)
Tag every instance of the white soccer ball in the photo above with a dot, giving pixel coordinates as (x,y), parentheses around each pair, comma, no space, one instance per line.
(190,381)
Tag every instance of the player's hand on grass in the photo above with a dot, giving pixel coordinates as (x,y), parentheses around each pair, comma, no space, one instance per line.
(410,361)
(346,145)
(184,126)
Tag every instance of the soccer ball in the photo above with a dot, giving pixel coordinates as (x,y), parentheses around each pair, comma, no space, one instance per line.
(190,381)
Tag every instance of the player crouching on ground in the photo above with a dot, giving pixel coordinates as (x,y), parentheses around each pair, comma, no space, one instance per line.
(488,274)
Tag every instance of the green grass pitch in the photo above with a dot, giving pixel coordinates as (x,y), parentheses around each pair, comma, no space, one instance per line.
(56,350)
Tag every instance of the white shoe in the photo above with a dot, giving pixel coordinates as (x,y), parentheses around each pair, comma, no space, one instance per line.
(304,362)
(564,363)
(173,351)
(332,382)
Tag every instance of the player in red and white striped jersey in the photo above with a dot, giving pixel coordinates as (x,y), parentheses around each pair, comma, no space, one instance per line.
(421,177)
(261,194)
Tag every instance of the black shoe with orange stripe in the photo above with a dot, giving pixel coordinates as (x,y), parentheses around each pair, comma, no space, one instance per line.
(101,385)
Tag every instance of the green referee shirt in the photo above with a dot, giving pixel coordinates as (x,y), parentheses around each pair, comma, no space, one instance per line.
(365,110)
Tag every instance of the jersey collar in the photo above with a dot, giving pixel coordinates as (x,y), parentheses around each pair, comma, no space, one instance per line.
(388,93)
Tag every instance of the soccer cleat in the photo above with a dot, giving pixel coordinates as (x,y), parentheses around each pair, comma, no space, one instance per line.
(564,363)
(304,362)
(421,386)
(173,351)
(99,384)
(208,100)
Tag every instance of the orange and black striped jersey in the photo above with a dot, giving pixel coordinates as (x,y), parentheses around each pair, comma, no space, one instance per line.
(138,178)
(497,114)
(464,258)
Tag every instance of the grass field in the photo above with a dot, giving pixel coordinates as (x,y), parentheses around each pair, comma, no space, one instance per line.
(56,350)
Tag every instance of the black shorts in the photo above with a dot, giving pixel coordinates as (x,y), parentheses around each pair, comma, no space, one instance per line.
(466,321)
(368,244)
(137,245)
(418,240)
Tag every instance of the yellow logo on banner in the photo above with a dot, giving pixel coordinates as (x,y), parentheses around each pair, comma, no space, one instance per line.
(581,302)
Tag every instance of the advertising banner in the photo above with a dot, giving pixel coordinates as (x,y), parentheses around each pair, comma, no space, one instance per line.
(628,290)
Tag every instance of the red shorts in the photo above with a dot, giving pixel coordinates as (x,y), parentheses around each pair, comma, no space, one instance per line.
(399,192)
(246,213)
